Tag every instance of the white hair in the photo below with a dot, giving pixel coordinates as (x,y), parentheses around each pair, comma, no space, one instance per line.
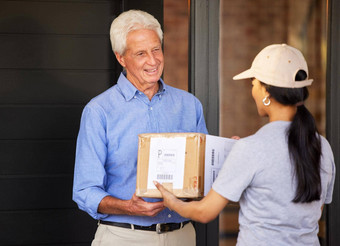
(129,21)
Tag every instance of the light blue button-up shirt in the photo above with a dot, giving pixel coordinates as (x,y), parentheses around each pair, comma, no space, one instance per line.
(107,144)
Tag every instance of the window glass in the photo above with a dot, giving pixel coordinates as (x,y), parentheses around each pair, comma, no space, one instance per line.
(246,27)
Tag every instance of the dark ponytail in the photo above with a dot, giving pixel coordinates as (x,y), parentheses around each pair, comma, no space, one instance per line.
(304,142)
(305,150)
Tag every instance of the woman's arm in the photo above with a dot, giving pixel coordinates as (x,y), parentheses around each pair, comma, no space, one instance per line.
(202,211)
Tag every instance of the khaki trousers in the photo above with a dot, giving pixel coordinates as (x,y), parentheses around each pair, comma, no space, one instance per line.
(108,235)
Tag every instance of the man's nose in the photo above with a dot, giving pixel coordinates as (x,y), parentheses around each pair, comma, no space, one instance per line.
(152,59)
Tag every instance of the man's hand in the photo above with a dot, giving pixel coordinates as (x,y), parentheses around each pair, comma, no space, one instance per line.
(134,206)
(140,207)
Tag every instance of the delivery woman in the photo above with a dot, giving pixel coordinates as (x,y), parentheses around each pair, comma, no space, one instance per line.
(284,173)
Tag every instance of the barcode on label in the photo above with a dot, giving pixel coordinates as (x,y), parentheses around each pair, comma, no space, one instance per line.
(212,157)
(214,174)
(165,176)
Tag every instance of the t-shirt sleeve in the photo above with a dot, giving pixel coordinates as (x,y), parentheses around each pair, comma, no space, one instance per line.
(329,194)
(328,155)
(237,172)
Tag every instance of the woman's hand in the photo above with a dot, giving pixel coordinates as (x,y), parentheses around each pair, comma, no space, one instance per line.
(203,211)
(168,198)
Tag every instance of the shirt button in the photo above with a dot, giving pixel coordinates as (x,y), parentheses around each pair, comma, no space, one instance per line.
(169,215)
(151,108)
(134,97)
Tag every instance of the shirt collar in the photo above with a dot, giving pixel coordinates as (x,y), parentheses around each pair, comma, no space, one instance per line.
(129,90)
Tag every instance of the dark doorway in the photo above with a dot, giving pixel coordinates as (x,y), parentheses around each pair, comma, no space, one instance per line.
(55,56)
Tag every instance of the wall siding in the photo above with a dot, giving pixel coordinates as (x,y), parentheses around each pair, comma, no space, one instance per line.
(55,56)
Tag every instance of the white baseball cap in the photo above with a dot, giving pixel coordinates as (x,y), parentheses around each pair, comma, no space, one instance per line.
(277,65)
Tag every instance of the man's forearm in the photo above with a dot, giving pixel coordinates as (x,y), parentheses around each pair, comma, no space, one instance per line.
(134,206)
(112,205)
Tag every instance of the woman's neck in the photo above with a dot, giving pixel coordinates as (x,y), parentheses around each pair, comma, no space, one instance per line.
(279,112)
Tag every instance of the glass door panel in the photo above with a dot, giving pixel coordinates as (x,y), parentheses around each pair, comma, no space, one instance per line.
(246,27)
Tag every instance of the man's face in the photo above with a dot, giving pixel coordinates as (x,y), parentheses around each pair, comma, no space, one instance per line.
(143,58)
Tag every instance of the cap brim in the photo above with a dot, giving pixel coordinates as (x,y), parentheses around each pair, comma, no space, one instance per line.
(244,75)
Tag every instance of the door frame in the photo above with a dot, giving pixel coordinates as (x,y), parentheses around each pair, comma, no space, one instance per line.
(333,115)
(204,58)
(204,82)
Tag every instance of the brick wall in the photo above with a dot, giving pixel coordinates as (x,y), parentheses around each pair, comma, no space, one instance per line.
(176,36)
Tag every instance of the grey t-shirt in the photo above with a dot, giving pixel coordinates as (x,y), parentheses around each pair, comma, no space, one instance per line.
(258,173)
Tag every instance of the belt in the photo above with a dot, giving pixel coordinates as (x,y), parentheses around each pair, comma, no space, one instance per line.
(159,228)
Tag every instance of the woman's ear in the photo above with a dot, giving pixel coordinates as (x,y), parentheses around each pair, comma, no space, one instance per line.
(120,59)
(265,92)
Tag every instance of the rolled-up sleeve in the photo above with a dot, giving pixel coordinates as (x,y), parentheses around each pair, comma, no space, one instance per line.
(89,174)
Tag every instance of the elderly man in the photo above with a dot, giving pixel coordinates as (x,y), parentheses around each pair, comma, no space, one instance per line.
(107,144)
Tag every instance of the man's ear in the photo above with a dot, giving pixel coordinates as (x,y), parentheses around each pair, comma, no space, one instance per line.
(120,59)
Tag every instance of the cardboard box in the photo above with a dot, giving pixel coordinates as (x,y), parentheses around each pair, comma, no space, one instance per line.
(174,159)
(180,161)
